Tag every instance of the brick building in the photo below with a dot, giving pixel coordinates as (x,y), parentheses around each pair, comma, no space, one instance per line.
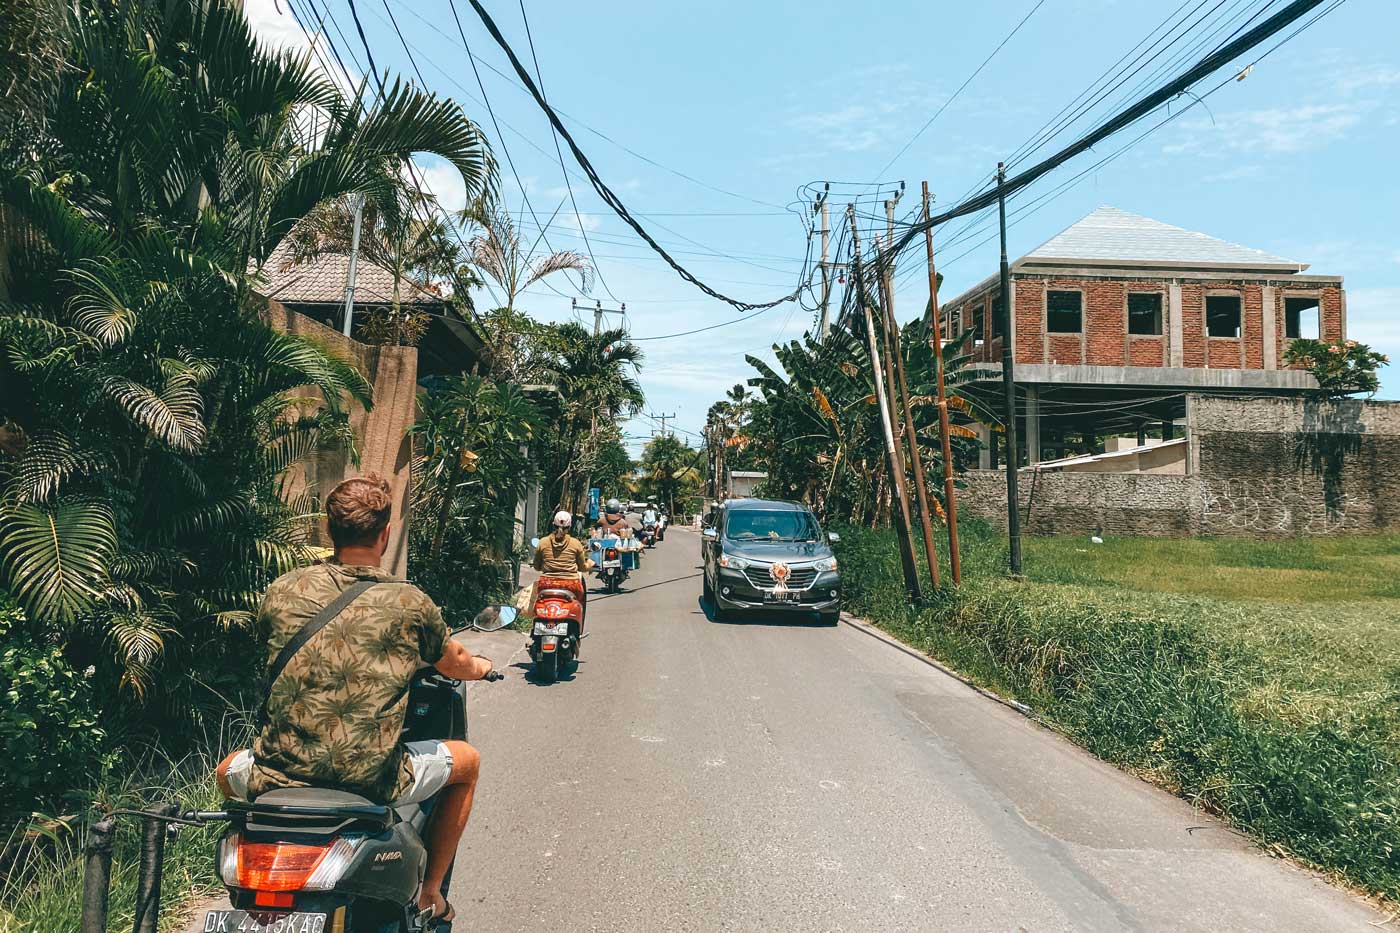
(1118,317)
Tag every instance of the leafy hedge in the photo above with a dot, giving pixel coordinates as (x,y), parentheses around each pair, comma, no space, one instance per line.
(1174,688)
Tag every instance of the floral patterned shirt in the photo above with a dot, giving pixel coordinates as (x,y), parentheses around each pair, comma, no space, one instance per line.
(335,713)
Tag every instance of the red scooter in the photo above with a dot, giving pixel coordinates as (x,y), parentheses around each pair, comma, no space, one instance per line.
(558,629)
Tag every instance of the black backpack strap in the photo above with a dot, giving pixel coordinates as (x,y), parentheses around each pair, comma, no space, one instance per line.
(317,622)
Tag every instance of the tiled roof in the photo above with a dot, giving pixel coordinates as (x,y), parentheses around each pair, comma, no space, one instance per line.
(322,281)
(1111,236)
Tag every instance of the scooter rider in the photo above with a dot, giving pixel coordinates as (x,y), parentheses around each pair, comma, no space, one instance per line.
(561,552)
(359,663)
(613,522)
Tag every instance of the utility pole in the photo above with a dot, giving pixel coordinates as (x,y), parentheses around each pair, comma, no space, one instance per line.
(893,336)
(825,330)
(1008,380)
(906,544)
(354,257)
(936,344)
(598,312)
(663,418)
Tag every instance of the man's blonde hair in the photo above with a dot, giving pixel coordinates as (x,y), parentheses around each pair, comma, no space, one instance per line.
(358,509)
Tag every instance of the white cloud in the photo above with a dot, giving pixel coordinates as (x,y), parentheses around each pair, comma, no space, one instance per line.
(1272,131)
(1373,316)
(442,180)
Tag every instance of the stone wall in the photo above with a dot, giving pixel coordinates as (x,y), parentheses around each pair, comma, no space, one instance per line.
(381,433)
(1257,468)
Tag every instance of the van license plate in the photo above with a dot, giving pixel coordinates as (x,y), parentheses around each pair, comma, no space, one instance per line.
(787,597)
(258,921)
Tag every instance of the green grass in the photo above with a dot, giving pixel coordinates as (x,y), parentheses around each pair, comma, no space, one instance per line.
(1259,679)
(42,891)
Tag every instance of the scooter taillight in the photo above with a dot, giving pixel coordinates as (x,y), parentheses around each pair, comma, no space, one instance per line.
(278,866)
(283,866)
(612,553)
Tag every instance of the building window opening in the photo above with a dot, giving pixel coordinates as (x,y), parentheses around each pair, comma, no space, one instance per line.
(979,329)
(1064,312)
(996,317)
(1300,316)
(1223,315)
(1145,313)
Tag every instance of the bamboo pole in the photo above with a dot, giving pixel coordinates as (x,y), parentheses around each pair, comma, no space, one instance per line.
(936,342)
(892,336)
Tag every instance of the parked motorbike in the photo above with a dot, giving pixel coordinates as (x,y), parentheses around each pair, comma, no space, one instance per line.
(558,629)
(316,860)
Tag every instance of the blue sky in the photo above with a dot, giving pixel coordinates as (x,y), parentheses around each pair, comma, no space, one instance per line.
(756,99)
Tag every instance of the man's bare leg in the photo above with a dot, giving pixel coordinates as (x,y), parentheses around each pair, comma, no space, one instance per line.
(449,819)
(221,775)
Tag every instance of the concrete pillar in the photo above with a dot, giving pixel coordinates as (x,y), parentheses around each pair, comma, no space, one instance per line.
(984,454)
(1032,425)
(1142,434)
(1271,327)
(1175,355)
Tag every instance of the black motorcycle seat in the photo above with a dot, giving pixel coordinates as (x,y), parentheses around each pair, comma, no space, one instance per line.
(320,797)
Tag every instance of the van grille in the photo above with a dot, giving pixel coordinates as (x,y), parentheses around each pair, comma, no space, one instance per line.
(799,579)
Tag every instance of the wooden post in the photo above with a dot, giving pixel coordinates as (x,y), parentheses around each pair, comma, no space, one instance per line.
(936,340)
(906,543)
(896,352)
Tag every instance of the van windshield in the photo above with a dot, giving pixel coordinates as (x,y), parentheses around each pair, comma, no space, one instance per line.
(763,525)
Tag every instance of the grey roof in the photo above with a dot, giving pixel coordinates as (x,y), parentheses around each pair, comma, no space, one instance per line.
(1110,236)
(321,280)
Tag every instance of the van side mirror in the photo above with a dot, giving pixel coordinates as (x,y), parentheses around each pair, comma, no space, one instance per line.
(534,542)
(833,537)
(710,533)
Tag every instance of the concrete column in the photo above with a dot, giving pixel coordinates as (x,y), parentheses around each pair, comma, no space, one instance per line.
(984,454)
(1271,327)
(1032,425)
(1175,356)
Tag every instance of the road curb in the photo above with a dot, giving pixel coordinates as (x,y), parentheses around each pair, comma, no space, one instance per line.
(879,634)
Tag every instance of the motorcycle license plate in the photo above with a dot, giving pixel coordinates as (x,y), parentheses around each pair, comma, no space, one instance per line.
(609,564)
(259,921)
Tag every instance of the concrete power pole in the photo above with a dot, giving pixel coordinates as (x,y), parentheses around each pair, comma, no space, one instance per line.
(354,258)
(598,312)
(1008,378)
(825,330)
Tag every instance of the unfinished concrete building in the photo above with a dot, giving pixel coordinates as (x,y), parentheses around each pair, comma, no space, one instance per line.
(1118,317)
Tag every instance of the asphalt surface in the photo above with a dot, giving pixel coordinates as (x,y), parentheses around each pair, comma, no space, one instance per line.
(764,775)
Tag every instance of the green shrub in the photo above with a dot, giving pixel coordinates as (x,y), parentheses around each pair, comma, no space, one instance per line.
(49,737)
(1255,712)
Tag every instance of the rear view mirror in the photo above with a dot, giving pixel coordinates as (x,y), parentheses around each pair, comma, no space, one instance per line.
(710,533)
(833,537)
(534,542)
(494,618)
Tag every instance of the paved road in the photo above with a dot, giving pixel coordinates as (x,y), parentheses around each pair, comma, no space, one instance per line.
(762,776)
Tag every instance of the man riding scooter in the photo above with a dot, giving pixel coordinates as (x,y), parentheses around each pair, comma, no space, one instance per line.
(561,560)
(346,635)
(612,537)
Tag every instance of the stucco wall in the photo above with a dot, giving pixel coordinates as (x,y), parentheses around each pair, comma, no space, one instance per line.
(381,434)
(1258,468)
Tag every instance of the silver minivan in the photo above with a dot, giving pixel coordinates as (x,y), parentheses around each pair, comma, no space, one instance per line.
(771,555)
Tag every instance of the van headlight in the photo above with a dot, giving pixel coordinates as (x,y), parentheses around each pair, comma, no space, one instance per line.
(826,565)
(730,562)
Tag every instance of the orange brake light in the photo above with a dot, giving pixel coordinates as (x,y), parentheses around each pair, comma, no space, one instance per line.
(277,866)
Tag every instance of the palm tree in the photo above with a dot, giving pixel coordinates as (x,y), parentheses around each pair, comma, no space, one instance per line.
(150,414)
(598,384)
(497,252)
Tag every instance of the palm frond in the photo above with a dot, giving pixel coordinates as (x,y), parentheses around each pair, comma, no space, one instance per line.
(54,557)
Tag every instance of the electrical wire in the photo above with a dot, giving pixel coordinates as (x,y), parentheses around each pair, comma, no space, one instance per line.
(947,103)
(601,187)
(568,186)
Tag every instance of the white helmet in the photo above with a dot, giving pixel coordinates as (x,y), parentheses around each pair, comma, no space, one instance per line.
(563,519)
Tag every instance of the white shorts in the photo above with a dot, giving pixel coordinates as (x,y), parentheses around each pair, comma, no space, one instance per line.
(431,762)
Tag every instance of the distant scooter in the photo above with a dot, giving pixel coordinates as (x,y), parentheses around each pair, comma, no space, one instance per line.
(648,535)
